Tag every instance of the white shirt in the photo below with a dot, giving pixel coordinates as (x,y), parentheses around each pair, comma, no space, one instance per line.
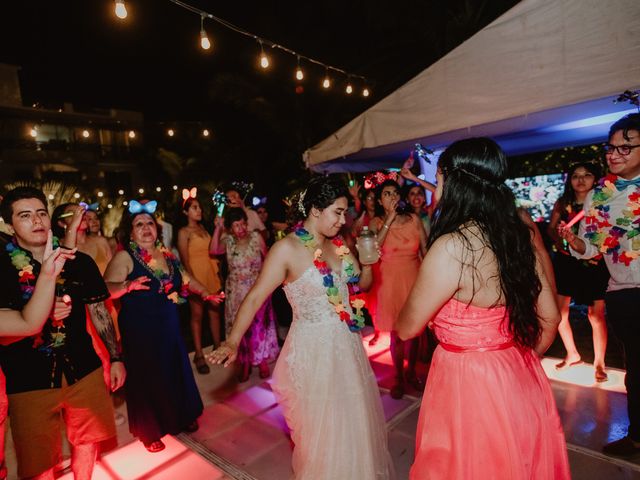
(622,276)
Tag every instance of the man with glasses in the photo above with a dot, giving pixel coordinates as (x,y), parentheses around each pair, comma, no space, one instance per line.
(612,226)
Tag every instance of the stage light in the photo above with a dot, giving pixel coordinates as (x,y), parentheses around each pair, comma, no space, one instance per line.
(121,9)
(349,89)
(365,92)
(205,43)
(264,60)
(132,134)
(170,132)
(85,133)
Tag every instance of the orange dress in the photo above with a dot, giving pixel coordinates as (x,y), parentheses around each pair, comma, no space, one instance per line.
(399,265)
(205,269)
(488,409)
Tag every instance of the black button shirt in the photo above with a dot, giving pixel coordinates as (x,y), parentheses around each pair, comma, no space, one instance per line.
(29,364)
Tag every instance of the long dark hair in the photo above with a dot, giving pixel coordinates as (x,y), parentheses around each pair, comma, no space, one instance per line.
(569,195)
(474,193)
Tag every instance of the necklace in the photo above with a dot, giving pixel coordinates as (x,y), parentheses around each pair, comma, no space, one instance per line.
(355,319)
(22,261)
(599,230)
(151,264)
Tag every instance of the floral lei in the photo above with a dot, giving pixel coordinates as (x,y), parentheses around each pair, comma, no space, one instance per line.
(355,320)
(166,286)
(22,261)
(599,230)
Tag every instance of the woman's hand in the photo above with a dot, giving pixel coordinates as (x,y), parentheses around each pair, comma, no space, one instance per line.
(76,218)
(226,353)
(61,309)
(408,174)
(214,298)
(54,260)
(354,190)
(218,222)
(392,213)
(139,283)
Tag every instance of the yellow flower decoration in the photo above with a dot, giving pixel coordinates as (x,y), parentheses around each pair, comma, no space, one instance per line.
(317,254)
(342,251)
(173,296)
(358,303)
(339,308)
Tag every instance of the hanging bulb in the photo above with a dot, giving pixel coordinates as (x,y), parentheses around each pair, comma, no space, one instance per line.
(299,72)
(132,134)
(205,133)
(326,83)
(204,40)
(170,132)
(365,92)
(264,60)
(121,9)
(349,89)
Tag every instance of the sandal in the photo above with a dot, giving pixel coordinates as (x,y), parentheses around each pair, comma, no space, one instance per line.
(374,339)
(201,364)
(192,427)
(155,446)
(263,370)
(397,391)
(563,365)
(601,375)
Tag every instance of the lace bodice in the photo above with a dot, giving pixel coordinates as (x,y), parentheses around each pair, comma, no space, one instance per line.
(308,298)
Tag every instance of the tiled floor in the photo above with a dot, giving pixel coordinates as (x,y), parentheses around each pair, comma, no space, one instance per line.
(243,435)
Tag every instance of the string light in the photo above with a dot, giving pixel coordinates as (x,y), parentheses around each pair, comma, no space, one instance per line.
(76,195)
(51,196)
(170,132)
(299,72)
(204,40)
(326,83)
(109,205)
(121,9)
(132,134)
(141,191)
(120,192)
(349,89)
(175,187)
(100,194)
(33,132)
(158,189)
(125,203)
(205,133)
(264,60)
(365,92)
(85,133)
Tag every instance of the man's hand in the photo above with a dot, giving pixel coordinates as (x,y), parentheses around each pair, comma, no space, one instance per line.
(61,309)
(118,375)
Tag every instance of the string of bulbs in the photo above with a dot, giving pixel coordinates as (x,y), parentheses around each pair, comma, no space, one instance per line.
(264,60)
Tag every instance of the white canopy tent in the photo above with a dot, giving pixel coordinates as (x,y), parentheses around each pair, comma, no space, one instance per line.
(542,76)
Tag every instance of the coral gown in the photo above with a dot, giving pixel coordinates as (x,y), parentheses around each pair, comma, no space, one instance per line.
(488,410)
(324,383)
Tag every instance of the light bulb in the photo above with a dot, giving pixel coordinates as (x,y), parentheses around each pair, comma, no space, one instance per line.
(170,132)
(51,196)
(205,133)
(326,83)
(76,195)
(349,89)
(204,40)
(121,9)
(299,74)
(158,189)
(125,203)
(85,133)
(132,134)
(100,194)
(120,192)
(175,187)
(264,60)
(109,205)
(141,191)
(365,92)
(33,132)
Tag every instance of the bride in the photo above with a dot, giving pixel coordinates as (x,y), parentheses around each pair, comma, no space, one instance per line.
(322,379)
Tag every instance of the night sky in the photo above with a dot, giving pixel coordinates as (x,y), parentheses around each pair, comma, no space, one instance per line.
(79,52)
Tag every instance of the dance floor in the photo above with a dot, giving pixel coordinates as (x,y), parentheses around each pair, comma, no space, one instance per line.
(243,434)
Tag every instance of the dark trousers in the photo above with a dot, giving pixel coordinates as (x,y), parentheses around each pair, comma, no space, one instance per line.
(623,313)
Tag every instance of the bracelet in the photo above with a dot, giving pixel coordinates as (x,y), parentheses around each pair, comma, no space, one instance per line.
(116,358)
(385,226)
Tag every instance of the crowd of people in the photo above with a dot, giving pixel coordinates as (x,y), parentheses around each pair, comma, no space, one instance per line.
(466,271)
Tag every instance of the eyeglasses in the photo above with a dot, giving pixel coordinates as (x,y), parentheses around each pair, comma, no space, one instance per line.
(621,149)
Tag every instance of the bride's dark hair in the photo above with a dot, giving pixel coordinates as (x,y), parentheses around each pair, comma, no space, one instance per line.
(320,193)
(475,194)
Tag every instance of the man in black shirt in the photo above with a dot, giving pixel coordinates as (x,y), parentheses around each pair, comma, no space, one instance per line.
(56,374)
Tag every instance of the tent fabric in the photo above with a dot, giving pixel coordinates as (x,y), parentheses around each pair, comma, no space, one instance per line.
(540,56)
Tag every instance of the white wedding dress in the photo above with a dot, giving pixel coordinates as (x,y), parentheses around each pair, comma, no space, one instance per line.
(328,392)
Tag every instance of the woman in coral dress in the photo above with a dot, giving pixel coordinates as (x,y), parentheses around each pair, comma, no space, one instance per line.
(488,409)
(402,242)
